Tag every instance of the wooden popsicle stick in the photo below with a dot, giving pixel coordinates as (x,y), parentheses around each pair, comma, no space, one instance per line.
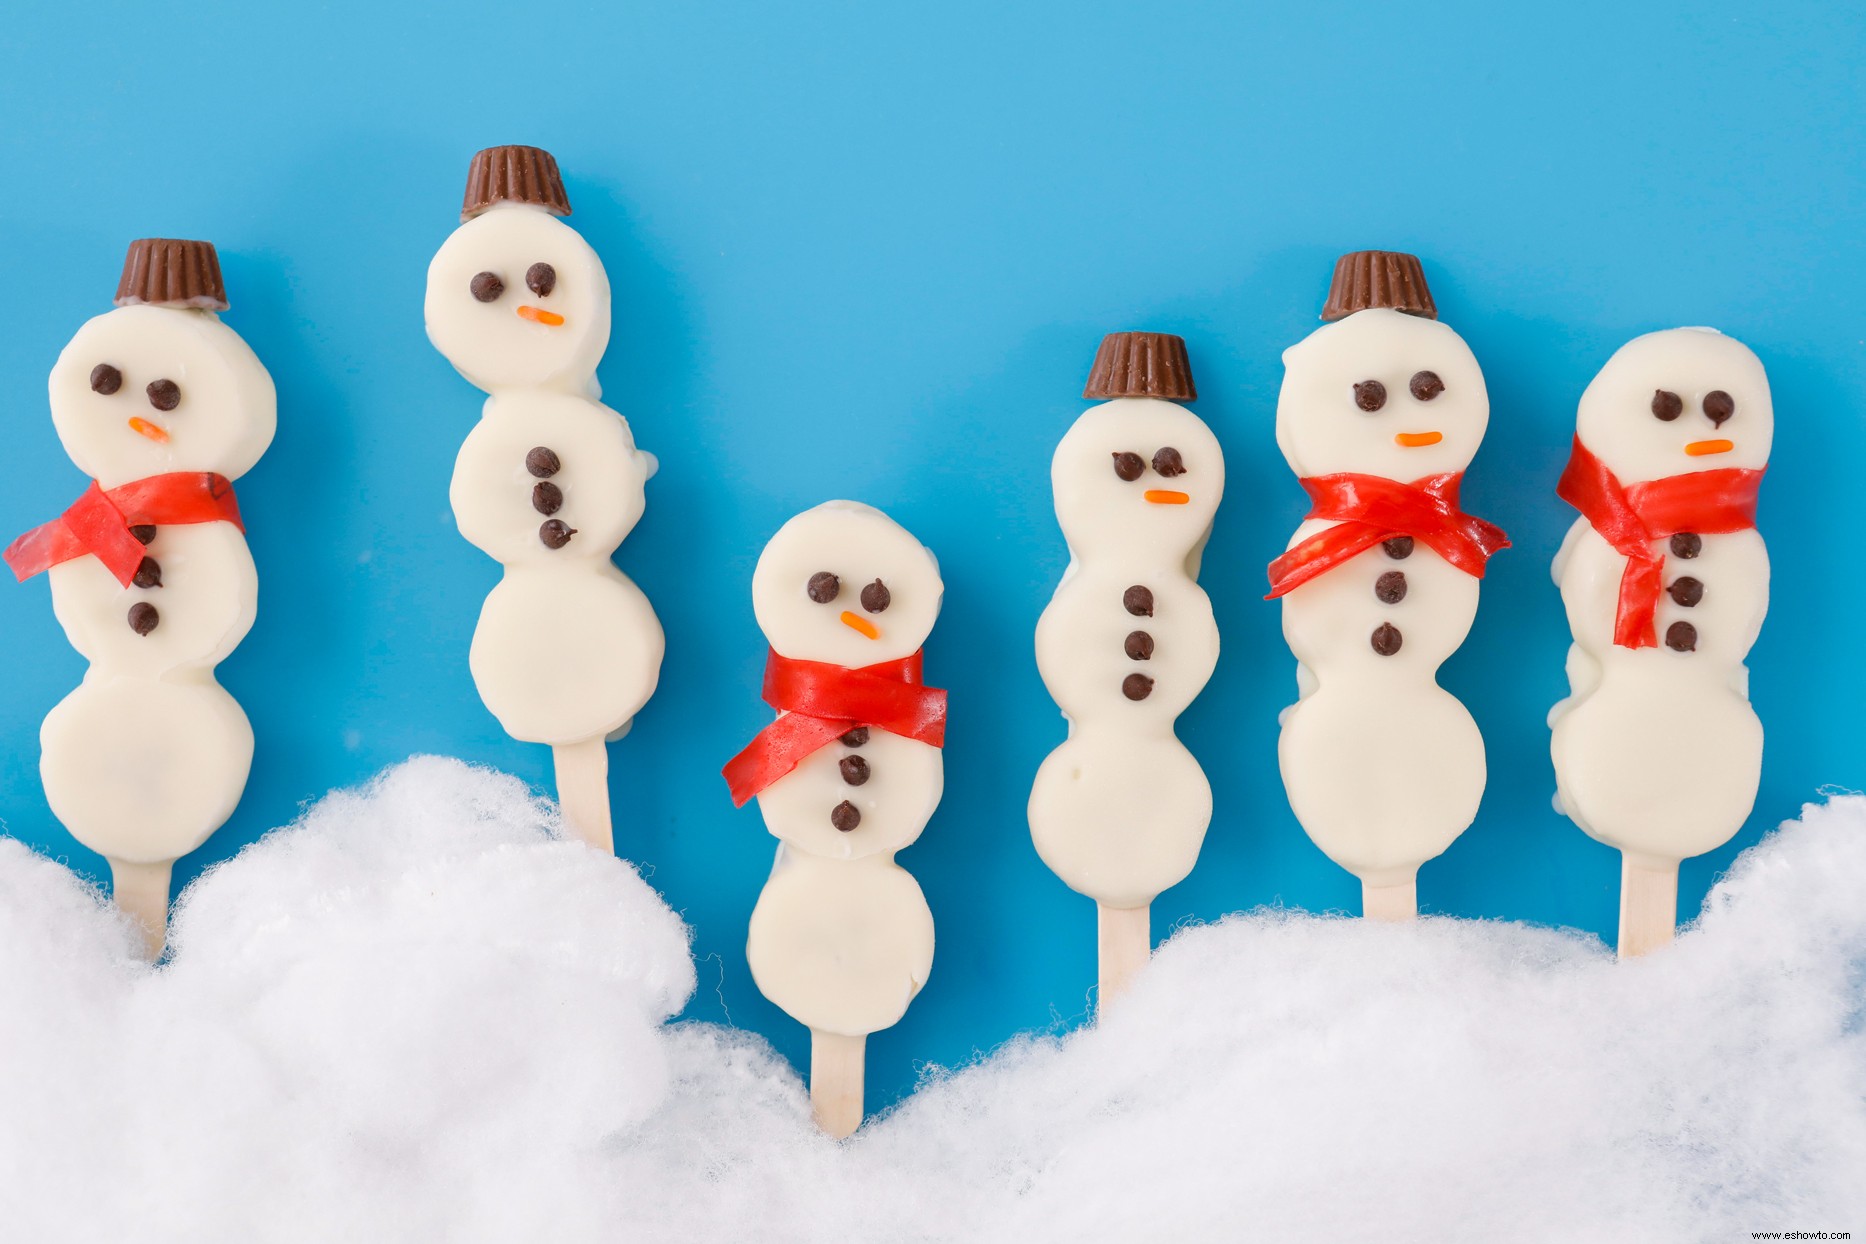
(1648,906)
(1125,937)
(140,891)
(583,791)
(836,1065)
(1391,902)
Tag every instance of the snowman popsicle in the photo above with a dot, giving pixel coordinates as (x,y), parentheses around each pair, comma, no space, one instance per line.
(1665,580)
(847,775)
(1381,410)
(1119,811)
(567,649)
(163,406)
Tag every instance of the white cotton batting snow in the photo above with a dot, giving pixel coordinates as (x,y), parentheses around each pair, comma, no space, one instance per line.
(417,1016)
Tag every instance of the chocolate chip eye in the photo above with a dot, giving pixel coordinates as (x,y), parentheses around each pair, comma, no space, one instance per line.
(1719,406)
(1168,462)
(487,287)
(164,394)
(823,587)
(541,279)
(1370,395)
(1667,405)
(105,379)
(1129,466)
(1426,385)
(876,597)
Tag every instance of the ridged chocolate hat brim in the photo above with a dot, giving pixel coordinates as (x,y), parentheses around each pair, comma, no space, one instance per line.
(1141,365)
(172,272)
(1365,280)
(514,175)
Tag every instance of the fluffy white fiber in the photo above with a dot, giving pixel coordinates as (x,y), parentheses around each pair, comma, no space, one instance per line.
(417,1016)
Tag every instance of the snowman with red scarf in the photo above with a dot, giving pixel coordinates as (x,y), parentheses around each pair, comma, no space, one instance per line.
(1657,751)
(163,406)
(1381,411)
(848,774)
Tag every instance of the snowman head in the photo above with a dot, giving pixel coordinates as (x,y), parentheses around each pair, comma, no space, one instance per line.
(516,298)
(160,384)
(1381,392)
(1677,402)
(1139,471)
(846,585)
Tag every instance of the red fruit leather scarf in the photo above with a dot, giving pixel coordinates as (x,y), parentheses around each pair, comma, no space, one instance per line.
(99,522)
(1632,518)
(1368,509)
(823,702)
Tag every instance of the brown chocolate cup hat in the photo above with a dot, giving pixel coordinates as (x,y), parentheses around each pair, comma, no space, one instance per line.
(514,175)
(1141,365)
(172,272)
(1369,279)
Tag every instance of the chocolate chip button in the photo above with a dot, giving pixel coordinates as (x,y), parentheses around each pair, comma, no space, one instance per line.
(143,532)
(855,737)
(854,770)
(1386,639)
(555,533)
(1137,686)
(143,617)
(1687,544)
(1681,637)
(1390,588)
(1129,466)
(1687,591)
(1399,548)
(845,816)
(546,497)
(148,573)
(543,462)
(1138,645)
(1138,601)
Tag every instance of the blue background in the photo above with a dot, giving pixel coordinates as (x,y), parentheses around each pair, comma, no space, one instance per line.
(868,251)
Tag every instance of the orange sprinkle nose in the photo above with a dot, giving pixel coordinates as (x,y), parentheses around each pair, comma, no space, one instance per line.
(1697,449)
(538,315)
(154,431)
(856,622)
(1166,496)
(1418,440)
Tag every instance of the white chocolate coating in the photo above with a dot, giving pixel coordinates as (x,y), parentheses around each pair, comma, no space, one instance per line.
(567,647)
(842,938)
(148,756)
(1657,752)
(1383,767)
(1119,811)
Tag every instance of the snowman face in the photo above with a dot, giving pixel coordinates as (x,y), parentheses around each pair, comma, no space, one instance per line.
(847,585)
(1381,393)
(145,390)
(517,299)
(1137,473)
(1677,402)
